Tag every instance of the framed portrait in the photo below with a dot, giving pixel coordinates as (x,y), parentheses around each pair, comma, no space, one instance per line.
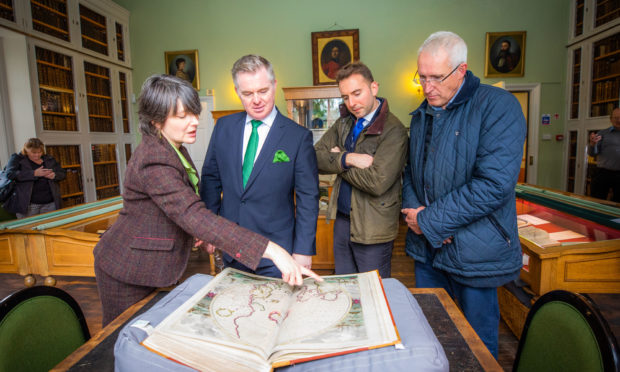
(184,64)
(332,50)
(505,54)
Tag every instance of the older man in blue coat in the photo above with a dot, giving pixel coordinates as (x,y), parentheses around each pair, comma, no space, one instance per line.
(458,189)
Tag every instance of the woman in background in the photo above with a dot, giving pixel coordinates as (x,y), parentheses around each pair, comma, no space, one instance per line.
(149,244)
(36,178)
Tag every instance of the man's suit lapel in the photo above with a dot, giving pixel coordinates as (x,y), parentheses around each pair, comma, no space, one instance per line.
(269,148)
(237,158)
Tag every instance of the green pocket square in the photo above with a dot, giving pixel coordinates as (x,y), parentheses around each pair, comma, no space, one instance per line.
(280,157)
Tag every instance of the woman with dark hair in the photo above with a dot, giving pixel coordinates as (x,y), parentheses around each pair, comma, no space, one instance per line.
(149,244)
(36,178)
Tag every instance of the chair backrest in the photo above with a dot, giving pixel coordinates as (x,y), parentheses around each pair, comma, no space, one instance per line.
(39,327)
(564,331)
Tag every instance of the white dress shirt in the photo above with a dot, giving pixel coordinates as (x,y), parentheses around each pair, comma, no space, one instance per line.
(263,131)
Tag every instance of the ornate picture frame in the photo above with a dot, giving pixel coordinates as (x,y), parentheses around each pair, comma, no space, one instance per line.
(187,60)
(332,50)
(505,54)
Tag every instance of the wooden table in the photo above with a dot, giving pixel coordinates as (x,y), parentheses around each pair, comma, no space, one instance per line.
(463,348)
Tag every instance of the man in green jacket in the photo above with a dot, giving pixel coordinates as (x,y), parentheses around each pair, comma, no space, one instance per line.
(367,151)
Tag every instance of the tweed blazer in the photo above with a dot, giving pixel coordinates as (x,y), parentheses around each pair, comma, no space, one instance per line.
(150,242)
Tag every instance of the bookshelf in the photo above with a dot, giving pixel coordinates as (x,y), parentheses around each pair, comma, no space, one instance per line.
(605,75)
(120,43)
(94,31)
(71,188)
(593,83)
(572,161)
(106,170)
(98,97)
(56,90)
(51,17)
(575,84)
(127,152)
(606,11)
(7,10)
(579,10)
(122,78)
(97,28)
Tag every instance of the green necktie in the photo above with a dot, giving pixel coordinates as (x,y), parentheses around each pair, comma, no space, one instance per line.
(250,152)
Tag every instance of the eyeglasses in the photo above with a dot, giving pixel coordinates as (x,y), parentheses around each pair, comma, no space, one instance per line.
(433,80)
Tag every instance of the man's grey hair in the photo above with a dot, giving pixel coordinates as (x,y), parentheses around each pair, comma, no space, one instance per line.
(252,64)
(448,41)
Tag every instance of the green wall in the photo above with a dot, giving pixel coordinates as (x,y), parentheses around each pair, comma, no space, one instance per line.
(390,34)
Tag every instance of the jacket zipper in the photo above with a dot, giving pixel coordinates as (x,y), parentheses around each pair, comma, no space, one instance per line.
(499,228)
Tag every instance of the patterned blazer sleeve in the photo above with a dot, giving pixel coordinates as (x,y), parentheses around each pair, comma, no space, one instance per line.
(165,181)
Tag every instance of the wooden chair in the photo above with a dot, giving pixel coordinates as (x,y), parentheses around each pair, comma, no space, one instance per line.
(39,327)
(564,331)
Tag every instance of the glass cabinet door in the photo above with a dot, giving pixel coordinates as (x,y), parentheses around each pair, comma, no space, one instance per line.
(99,98)
(122,78)
(606,11)
(105,167)
(71,188)
(579,10)
(94,30)
(51,18)
(605,75)
(572,161)
(56,90)
(576,81)
(120,42)
(7,10)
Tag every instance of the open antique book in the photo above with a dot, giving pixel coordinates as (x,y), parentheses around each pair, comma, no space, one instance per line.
(245,322)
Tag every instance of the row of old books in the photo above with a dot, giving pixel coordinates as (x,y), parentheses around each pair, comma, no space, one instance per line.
(53,57)
(73,183)
(97,85)
(55,77)
(606,67)
(605,90)
(104,152)
(99,106)
(57,19)
(108,193)
(101,125)
(59,102)
(64,123)
(106,174)
(607,45)
(72,200)
(67,155)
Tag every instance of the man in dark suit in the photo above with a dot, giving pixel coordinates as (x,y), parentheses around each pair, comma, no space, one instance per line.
(260,170)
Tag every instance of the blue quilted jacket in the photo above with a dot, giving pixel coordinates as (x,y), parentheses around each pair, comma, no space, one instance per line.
(472,167)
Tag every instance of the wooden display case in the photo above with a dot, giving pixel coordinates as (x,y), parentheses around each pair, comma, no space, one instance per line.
(56,243)
(581,252)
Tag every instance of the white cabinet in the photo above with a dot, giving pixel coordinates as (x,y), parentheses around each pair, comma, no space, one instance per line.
(82,115)
(95,27)
(593,83)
